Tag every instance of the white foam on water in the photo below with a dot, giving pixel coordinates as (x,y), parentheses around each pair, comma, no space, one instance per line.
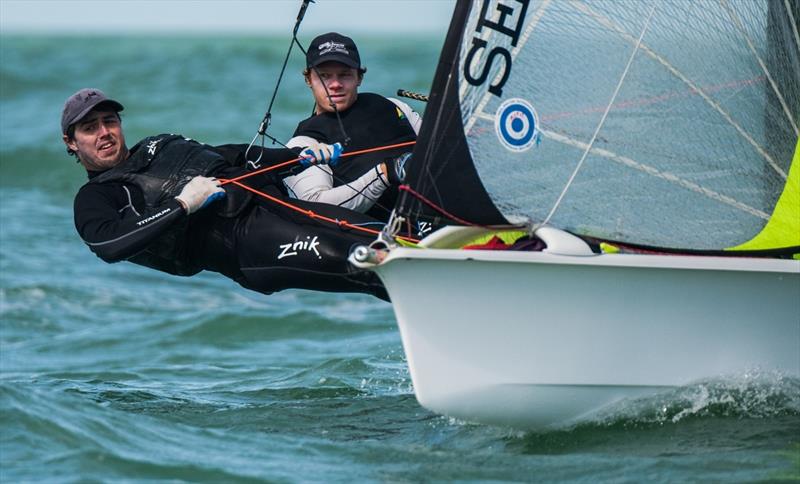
(753,394)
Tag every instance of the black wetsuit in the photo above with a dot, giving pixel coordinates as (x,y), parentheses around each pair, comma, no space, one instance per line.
(372,121)
(130,213)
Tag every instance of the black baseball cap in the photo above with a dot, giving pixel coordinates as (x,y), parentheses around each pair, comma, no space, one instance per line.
(79,104)
(333,47)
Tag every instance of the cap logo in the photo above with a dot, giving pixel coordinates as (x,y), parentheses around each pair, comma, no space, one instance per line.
(90,94)
(332,47)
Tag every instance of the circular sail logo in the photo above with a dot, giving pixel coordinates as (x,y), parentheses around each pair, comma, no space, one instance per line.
(517,124)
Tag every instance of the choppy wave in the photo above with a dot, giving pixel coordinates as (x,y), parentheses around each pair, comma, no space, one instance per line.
(755,394)
(734,412)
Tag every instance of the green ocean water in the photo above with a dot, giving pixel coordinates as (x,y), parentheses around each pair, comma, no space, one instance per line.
(119,373)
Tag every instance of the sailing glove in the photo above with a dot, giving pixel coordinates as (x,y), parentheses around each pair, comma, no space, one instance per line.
(199,192)
(321,154)
(396,168)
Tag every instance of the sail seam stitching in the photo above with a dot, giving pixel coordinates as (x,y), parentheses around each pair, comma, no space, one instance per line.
(609,24)
(666,176)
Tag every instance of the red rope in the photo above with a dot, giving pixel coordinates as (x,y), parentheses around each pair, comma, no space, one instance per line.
(444,212)
(439,209)
(310,213)
(286,163)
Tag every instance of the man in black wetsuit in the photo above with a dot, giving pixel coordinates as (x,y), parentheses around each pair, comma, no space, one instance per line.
(161,204)
(366,183)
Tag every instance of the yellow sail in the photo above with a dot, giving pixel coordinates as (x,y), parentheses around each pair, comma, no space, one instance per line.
(783,228)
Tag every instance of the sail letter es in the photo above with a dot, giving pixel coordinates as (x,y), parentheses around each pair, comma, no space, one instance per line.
(500,25)
(509,24)
(497,88)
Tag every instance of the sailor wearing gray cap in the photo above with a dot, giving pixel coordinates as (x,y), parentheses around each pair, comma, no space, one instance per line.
(92,130)
(79,104)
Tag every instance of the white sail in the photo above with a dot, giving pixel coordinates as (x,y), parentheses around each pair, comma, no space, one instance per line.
(693,151)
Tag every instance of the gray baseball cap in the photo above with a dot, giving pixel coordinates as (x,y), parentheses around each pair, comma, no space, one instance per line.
(79,104)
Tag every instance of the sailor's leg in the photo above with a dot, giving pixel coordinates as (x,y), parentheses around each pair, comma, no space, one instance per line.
(280,249)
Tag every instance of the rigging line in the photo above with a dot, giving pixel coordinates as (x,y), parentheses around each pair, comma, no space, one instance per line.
(356,191)
(427,179)
(537,16)
(313,215)
(430,147)
(737,21)
(361,192)
(603,119)
(674,71)
(434,206)
(347,184)
(793,23)
(295,160)
(262,128)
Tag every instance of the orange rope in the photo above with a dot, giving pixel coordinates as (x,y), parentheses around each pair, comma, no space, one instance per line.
(311,213)
(285,163)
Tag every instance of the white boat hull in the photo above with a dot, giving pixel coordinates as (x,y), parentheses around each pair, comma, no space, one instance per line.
(532,339)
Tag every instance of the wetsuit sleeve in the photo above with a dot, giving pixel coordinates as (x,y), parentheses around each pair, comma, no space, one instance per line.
(315,184)
(413,117)
(113,227)
(301,142)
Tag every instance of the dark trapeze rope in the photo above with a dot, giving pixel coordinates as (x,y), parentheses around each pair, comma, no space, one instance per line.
(262,128)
